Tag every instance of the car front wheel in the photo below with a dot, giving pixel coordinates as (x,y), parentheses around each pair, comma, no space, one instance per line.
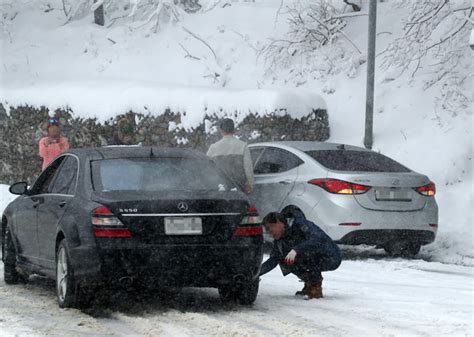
(10,274)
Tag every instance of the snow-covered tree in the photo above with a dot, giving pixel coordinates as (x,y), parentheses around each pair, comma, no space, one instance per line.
(7,14)
(136,13)
(435,36)
(315,44)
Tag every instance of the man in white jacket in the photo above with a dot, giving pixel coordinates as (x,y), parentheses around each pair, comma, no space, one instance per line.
(232,156)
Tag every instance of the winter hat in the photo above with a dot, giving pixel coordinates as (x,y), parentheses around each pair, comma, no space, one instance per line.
(53,121)
(125,127)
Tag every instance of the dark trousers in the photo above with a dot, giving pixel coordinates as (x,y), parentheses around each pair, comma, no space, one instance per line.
(309,267)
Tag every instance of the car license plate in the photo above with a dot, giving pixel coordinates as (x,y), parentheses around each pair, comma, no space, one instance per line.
(392,194)
(183,226)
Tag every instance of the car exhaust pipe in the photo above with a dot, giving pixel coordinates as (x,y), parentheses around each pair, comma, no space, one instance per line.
(239,278)
(126,281)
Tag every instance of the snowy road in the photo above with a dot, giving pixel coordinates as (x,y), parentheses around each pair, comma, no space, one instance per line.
(366,297)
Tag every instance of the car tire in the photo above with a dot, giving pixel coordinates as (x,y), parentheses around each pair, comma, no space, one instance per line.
(10,273)
(412,250)
(247,293)
(68,292)
(227,293)
(244,294)
(402,249)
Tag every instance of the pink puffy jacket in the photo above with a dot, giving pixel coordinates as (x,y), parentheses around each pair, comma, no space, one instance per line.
(51,151)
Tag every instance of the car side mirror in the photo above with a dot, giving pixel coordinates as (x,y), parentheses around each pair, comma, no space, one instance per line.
(19,188)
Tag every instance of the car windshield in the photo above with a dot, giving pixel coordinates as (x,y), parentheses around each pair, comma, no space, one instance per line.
(157,174)
(359,161)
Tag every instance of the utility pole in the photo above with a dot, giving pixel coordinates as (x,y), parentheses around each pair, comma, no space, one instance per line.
(369,100)
(98,7)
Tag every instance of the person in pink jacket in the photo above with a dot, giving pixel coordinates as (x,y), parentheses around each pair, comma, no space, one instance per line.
(53,144)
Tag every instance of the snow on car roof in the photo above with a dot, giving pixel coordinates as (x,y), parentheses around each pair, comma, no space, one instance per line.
(313,145)
(111,152)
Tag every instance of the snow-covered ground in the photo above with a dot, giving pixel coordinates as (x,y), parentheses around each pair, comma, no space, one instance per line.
(368,297)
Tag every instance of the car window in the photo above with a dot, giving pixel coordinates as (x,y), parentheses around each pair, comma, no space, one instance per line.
(44,182)
(157,174)
(255,153)
(65,178)
(358,161)
(274,160)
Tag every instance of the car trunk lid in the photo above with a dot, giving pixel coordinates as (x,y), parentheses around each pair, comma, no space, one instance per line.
(178,217)
(389,191)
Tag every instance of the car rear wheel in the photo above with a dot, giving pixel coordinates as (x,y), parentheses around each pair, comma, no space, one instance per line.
(10,274)
(68,292)
(65,285)
(402,248)
(245,293)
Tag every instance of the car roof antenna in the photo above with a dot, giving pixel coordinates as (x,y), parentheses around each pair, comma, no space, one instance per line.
(341,147)
(151,152)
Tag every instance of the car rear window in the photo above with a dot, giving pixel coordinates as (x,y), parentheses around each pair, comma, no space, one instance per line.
(157,174)
(360,161)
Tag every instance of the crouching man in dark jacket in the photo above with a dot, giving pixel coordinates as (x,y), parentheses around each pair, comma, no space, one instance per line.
(302,249)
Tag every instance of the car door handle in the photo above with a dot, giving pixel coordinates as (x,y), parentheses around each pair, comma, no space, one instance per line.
(36,202)
(285,182)
(62,204)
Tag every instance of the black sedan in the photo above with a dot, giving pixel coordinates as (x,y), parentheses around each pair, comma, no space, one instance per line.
(123,215)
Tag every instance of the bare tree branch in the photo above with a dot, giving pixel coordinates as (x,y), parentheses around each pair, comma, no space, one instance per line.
(278,13)
(203,41)
(188,54)
(355,7)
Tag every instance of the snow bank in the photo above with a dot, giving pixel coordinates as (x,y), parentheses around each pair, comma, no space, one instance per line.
(105,100)
(5,197)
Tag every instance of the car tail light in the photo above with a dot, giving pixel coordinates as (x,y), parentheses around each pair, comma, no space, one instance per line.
(251,217)
(339,186)
(106,224)
(427,190)
(247,225)
(434,225)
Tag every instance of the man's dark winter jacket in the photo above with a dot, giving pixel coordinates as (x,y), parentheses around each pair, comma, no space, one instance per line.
(306,239)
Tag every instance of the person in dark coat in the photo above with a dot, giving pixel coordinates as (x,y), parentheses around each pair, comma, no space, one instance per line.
(123,135)
(303,249)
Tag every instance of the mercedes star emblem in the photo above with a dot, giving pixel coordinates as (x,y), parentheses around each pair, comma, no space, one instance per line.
(183,207)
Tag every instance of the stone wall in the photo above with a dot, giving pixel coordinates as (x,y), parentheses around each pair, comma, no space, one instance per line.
(23,126)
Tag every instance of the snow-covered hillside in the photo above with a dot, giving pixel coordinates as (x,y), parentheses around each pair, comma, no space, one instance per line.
(103,71)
